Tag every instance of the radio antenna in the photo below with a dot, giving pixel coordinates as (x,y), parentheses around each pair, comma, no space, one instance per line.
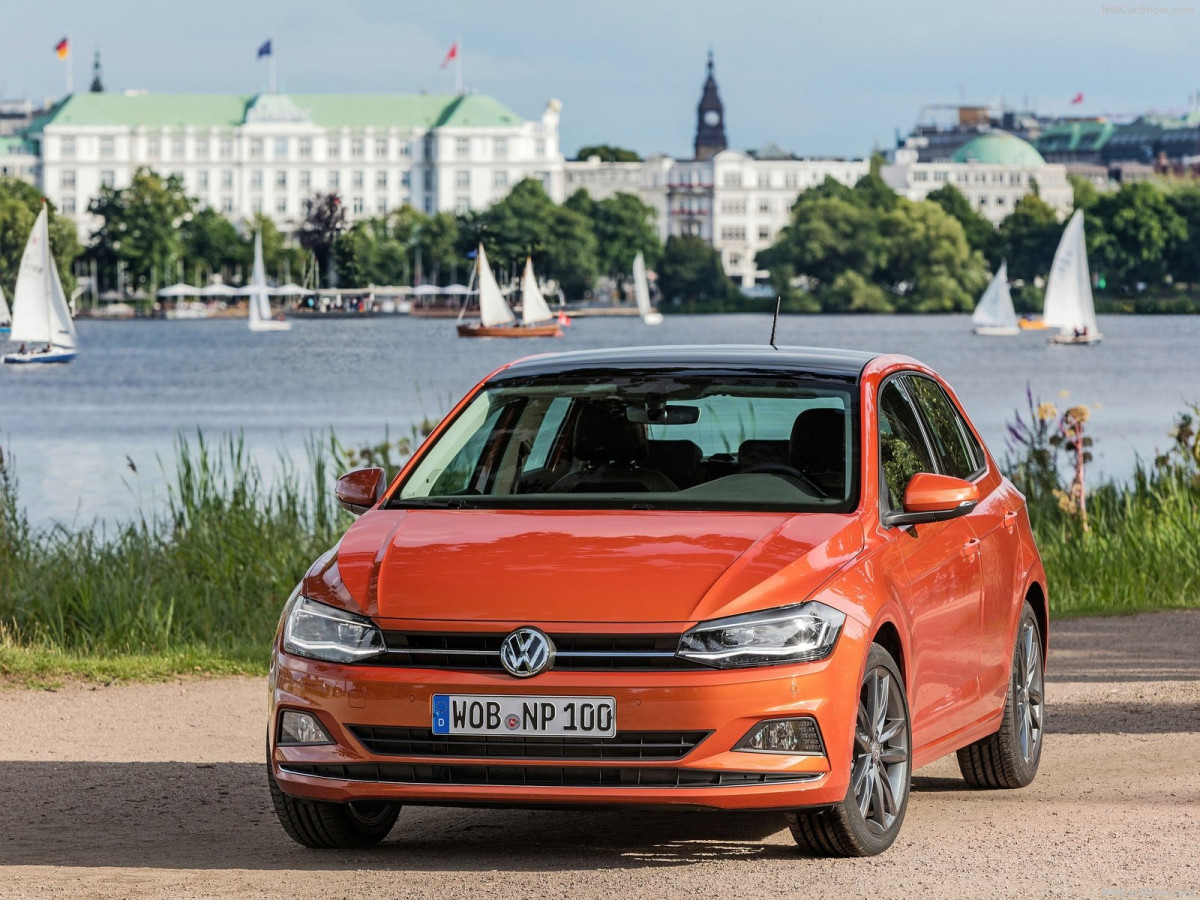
(775,321)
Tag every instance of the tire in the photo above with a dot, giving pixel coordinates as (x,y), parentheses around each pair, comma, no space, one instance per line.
(332,826)
(1009,758)
(867,821)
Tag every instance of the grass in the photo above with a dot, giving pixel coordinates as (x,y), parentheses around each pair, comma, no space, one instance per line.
(197,591)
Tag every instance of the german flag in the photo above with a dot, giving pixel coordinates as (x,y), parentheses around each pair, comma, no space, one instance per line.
(62,48)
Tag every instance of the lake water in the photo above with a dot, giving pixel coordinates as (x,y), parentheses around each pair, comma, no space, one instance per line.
(136,384)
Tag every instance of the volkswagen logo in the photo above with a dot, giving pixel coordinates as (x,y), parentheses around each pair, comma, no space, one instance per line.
(526,652)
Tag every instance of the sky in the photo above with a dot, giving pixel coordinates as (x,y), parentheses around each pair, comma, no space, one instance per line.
(833,79)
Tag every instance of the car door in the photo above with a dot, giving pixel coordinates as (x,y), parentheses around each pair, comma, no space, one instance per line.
(994,522)
(941,562)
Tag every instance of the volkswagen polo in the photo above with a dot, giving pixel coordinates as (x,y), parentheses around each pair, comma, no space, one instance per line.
(712,577)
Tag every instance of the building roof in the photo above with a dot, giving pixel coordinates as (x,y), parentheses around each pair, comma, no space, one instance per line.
(741,358)
(1085,136)
(1000,148)
(16,145)
(325,110)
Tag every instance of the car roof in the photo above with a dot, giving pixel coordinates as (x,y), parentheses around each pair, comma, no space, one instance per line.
(821,361)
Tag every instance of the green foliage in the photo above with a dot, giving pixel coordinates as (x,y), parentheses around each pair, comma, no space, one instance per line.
(324,220)
(1029,237)
(212,245)
(20,204)
(1183,256)
(1132,233)
(624,225)
(980,233)
(607,153)
(141,229)
(1085,192)
(691,272)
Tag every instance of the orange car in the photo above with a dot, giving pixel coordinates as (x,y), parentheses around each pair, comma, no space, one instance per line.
(721,577)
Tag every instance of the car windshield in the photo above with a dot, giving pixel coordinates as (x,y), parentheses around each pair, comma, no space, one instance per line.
(646,441)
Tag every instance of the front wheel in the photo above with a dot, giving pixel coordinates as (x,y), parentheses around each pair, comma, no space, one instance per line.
(332,826)
(867,821)
(1009,758)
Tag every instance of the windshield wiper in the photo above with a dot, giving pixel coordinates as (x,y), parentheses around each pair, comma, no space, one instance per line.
(435,503)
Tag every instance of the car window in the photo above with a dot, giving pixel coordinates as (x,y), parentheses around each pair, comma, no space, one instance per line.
(957,455)
(548,430)
(902,447)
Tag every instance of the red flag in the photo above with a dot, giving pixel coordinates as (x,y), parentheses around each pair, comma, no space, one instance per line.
(61,48)
(1077,99)
(452,54)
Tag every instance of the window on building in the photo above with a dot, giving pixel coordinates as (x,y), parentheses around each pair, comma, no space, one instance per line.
(202,148)
(963,177)
(1014,178)
(153,148)
(539,148)
(764,179)
(462,148)
(359,179)
(764,206)
(428,180)
(177,148)
(462,178)
(920,175)
(982,200)
(305,179)
(405,148)
(791,180)
(256,148)
(108,178)
(381,206)
(281,148)
(462,205)
(227,179)
(381,148)
(358,206)
(67,206)
(67,147)
(381,179)
(66,178)
(256,179)
(500,148)
(333,147)
(733,233)
(357,148)
(335,180)
(428,206)
(202,179)
(998,178)
(732,179)
(764,233)
(429,146)
(500,179)
(406,178)
(281,205)
(940,175)
(227,205)
(108,148)
(735,260)
(281,178)
(1001,200)
(226,149)
(304,148)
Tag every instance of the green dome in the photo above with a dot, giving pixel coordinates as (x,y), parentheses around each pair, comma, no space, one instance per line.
(1001,148)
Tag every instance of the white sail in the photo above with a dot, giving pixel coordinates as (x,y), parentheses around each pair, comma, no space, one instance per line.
(995,309)
(533,304)
(641,292)
(493,309)
(40,313)
(1069,291)
(259,312)
(5,315)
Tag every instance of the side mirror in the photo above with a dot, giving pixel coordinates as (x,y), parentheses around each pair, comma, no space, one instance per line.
(934,498)
(361,489)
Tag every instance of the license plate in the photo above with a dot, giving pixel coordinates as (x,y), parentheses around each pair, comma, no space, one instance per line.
(524,716)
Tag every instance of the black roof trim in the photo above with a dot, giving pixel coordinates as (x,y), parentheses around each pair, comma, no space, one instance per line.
(724,357)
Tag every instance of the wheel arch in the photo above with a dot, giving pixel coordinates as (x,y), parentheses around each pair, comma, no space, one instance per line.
(1035,594)
(887,635)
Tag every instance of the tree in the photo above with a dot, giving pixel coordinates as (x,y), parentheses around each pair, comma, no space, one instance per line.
(324,220)
(1131,232)
(1028,238)
(438,242)
(20,204)
(607,153)
(1183,256)
(981,234)
(623,226)
(211,245)
(691,271)
(141,229)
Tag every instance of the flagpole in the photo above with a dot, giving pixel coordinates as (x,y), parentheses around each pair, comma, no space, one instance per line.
(458,66)
(67,60)
(271,70)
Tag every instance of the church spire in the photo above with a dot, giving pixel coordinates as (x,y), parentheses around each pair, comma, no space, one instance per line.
(710,118)
(97,85)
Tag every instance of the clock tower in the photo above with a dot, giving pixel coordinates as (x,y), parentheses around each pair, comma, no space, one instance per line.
(710,119)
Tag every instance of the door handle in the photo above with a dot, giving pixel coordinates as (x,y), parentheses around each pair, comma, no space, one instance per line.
(970,548)
(1010,521)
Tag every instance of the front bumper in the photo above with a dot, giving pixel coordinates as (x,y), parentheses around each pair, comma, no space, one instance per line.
(725,704)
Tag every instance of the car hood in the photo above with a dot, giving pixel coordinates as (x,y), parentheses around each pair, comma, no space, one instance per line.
(610,566)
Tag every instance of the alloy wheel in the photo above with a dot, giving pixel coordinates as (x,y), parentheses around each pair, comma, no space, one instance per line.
(879,776)
(1029,682)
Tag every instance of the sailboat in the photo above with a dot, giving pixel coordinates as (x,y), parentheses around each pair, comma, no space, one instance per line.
(641,292)
(994,315)
(1069,291)
(260,303)
(5,315)
(496,318)
(41,318)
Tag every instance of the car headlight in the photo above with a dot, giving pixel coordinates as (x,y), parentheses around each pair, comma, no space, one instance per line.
(788,634)
(319,631)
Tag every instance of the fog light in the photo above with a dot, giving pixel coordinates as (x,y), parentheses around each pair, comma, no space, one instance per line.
(301,728)
(799,736)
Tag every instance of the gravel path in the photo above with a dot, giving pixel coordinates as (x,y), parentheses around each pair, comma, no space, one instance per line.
(158,791)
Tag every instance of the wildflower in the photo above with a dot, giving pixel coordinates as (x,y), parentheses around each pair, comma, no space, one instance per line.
(1047,412)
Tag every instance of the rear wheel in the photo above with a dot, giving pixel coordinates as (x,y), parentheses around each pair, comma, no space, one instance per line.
(330,826)
(1009,758)
(867,821)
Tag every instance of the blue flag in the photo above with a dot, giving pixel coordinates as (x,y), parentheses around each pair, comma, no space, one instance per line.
(264,50)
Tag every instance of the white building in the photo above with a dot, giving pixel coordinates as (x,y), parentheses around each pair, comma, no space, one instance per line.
(993,171)
(268,153)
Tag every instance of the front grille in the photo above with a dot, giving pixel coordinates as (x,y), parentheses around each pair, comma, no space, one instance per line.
(579,652)
(388,741)
(542,776)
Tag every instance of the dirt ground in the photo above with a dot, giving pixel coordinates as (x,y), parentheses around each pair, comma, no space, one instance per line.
(159,791)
